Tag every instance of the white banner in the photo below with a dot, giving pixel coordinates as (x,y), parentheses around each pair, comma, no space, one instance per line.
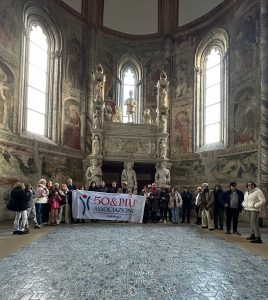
(106,206)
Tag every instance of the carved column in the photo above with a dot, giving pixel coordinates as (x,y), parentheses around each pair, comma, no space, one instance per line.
(162,119)
(264,93)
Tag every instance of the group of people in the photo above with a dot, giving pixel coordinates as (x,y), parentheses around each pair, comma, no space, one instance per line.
(46,203)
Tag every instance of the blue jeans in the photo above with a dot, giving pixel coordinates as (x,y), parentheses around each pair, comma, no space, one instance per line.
(175,215)
(38,209)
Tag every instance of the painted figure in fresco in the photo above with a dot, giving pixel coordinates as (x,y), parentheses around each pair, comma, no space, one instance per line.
(72,130)
(182,127)
(162,175)
(117,117)
(94,172)
(96,145)
(74,65)
(163,149)
(245,122)
(129,175)
(5,95)
(181,88)
(147,116)
(131,107)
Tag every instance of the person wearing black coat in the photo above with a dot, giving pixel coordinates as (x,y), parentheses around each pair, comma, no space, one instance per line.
(187,205)
(218,207)
(233,199)
(20,200)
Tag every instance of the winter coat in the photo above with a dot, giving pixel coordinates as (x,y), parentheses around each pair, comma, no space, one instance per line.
(207,202)
(41,194)
(177,197)
(227,198)
(19,200)
(254,200)
(154,198)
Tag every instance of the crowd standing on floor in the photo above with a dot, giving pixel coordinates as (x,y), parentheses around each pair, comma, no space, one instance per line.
(50,203)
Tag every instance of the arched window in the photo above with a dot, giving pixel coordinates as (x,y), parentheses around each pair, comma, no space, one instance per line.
(211,92)
(130,90)
(36,99)
(41,76)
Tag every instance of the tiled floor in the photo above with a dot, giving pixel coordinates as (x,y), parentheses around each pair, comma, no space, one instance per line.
(129,261)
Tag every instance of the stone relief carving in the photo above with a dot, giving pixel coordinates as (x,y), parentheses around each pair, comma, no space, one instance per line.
(147,116)
(117,117)
(96,146)
(162,149)
(163,124)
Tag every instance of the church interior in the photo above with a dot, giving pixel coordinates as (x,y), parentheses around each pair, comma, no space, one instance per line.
(173,85)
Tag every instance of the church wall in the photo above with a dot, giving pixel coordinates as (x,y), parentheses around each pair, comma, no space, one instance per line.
(29,158)
(239,161)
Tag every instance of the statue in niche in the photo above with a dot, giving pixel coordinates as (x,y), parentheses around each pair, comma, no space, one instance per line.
(117,117)
(147,116)
(162,175)
(94,172)
(131,107)
(96,145)
(163,149)
(163,123)
(5,97)
(97,119)
(153,148)
(99,92)
(163,97)
(129,175)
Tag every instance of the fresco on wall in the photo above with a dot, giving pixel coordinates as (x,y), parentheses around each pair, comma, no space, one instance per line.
(6,96)
(183,77)
(246,117)
(154,68)
(74,64)
(72,124)
(244,44)
(8,29)
(188,169)
(235,167)
(60,168)
(181,130)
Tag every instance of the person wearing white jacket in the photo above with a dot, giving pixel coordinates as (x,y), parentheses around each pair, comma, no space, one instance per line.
(254,200)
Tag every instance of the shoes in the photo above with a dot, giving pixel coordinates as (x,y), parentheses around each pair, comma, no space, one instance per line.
(23,232)
(237,233)
(211,229)
(251,237)
(16,232)
(189,222)
(37,226)
(221,228)
(165,221)
(257,240)
(227,232)
(204,227)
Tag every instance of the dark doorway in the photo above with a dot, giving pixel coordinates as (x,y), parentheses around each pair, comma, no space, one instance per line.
(112,171)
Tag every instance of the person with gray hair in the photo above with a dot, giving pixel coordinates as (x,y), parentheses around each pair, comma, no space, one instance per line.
(207,207)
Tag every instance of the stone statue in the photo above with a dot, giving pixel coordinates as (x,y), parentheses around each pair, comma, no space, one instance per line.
(99,92)
(163,124)
(94,172)
(96,145)
(97,120)
(131,107)
(147,116)
(117,117)
(163,97)
(163,149)
(162,175)
(129,175)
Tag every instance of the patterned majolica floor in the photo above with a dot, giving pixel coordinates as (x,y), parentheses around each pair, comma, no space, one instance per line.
(127,261)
